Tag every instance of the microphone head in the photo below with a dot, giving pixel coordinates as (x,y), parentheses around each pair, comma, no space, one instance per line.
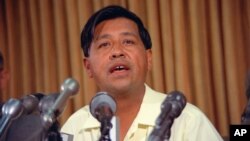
(102,98)
(12,108)
(171,108)
(70,85)
(47,102)
(30,102)
(69,88)
(177,100)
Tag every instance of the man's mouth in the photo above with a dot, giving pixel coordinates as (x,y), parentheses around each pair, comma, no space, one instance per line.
(119,68)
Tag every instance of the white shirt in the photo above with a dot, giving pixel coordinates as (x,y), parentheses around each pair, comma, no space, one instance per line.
(191,125)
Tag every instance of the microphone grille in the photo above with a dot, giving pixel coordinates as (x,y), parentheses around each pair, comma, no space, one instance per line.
(47,102)
(70,85)
(177,101)
(102,98)
(30,103)
(12,107)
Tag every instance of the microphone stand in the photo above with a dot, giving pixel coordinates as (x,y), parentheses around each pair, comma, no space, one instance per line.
(166,128)
(52,134)
(3,130)
(106,125)
(163,126)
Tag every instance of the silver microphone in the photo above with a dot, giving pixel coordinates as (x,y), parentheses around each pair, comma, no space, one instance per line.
(69,88)
(11,110)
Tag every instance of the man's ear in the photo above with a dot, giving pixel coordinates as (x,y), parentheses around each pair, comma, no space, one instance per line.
(88,67)
(149,59)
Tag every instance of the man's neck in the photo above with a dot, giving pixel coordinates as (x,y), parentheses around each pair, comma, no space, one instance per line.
(128,102)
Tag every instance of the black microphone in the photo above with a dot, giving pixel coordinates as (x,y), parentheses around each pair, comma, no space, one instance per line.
(171,108)
(11,110)
(103,107)
(68,88)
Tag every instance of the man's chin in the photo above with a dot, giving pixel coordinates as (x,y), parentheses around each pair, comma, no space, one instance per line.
(119,88)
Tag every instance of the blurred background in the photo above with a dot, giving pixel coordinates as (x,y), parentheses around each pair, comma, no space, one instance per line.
(200,47)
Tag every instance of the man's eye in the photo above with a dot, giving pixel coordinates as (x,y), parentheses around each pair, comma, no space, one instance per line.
(105,44)
(128,42)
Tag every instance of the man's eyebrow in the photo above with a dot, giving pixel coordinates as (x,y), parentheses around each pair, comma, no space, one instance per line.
(129,33)
(102,37)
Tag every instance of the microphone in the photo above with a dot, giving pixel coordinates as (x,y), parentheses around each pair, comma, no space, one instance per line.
(30,102)
(47,102)
(28,127)
(11,110)
(15,130)
(103,107)
(68,88)
(171,108)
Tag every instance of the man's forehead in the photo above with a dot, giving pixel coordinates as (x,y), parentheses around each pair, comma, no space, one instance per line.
(117,22)
(119,26)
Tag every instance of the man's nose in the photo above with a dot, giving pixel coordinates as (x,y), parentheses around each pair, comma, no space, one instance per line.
(117,52)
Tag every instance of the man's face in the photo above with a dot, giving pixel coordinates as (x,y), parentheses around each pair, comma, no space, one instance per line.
(117,58)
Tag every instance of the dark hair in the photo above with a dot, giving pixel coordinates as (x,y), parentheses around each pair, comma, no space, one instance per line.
(1,61)
(111,12)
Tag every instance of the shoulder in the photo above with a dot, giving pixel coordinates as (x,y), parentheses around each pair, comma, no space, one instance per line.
(193,115)
(194,125)
(153,96)
(81,113)
(192,111)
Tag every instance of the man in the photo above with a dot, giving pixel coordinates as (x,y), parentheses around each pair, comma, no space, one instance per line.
(117,50)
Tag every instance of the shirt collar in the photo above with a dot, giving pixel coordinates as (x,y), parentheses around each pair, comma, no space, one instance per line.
(91,122)
(150,108)
(149,111)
